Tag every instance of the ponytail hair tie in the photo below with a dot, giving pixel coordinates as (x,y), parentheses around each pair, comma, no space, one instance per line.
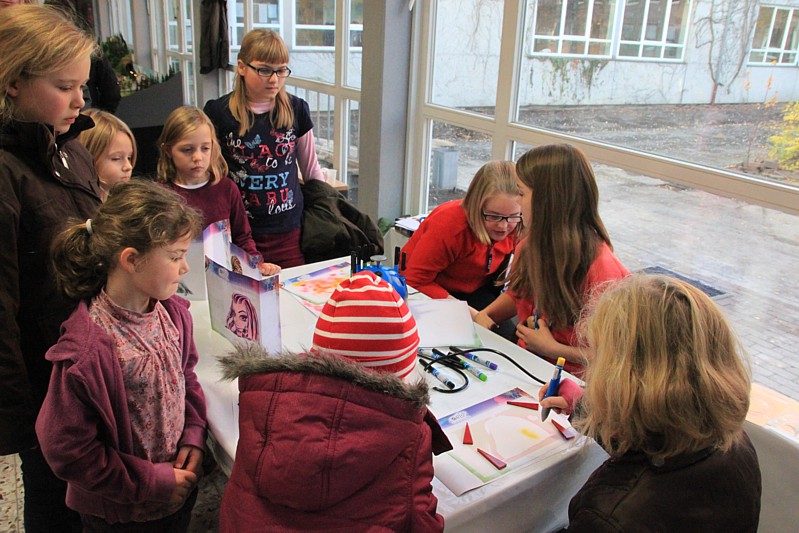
(89,227)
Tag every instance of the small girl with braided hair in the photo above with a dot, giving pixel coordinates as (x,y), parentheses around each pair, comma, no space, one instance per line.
(123,422)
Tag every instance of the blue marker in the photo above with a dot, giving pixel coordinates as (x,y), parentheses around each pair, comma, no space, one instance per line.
(554,383)
(535,319)
(485,362)
(438,375)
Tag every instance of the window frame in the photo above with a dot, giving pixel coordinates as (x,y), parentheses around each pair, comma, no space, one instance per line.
(793,19)
(297,26)
(163,54)
(586,38)
(663,42)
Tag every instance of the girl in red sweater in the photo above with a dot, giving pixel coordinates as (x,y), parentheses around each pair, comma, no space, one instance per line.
(462,247)
(192,165)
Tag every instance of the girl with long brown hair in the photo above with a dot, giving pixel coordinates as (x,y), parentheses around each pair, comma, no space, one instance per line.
(565,257)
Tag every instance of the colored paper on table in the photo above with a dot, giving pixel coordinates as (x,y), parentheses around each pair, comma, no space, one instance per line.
(317,287)
(513,435)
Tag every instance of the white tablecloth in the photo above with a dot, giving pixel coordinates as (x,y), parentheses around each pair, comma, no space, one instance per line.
(533,498)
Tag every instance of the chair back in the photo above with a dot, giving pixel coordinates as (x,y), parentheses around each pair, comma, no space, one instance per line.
(779,469)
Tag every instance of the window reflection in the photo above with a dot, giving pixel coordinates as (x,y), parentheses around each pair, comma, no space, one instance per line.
(573,27)
(654,29)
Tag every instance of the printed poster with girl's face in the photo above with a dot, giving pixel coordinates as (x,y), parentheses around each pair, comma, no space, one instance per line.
(244,305)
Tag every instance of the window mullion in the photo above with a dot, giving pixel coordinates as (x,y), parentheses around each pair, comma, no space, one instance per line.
(508,77)
(589,19)
(771,31)
(786,35)
(564,8)
(340,122)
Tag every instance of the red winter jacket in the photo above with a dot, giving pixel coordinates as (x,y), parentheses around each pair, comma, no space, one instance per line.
(327,446)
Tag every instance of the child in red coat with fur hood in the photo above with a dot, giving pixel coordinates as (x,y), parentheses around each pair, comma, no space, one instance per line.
(335,440)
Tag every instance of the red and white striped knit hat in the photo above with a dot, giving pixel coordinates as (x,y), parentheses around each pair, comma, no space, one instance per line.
(367,322)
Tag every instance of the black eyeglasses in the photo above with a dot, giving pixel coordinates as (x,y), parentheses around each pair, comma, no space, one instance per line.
(266,72)
(511,219)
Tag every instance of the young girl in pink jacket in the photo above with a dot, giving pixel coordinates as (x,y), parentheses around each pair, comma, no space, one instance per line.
(123,422)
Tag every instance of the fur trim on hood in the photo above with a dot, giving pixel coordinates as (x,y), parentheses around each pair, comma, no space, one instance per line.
(250,358)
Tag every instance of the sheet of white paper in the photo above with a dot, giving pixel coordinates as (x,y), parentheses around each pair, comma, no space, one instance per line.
(444,323)
(409,223)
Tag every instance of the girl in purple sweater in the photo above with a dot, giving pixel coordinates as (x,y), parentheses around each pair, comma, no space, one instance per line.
(192,165)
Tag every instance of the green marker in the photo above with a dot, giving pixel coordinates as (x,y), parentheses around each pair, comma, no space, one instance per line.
(469,368)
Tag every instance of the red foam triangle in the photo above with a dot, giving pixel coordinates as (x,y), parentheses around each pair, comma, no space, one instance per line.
(467,435)
(497,462)
(526,405)
(568,432)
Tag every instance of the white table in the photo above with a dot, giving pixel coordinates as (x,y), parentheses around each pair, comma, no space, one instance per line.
(533,498)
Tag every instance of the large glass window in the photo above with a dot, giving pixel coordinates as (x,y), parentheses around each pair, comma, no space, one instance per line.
(352,77)
(323,108)
(654,29)
(657,107)
(172,40)
(573,27)
(121,19)
(356,23)
(455,156)
(689,109)
(466,54)
(259,14)
(173,22)
(776,37)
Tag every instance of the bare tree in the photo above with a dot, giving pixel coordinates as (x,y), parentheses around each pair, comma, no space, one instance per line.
(727,32)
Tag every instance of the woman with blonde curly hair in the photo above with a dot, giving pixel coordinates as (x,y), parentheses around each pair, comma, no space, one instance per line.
(666,395)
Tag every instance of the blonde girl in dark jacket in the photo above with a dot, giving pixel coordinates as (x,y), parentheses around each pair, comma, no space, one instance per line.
(46,177)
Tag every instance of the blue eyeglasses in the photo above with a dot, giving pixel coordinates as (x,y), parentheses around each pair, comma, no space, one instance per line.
(266,72)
